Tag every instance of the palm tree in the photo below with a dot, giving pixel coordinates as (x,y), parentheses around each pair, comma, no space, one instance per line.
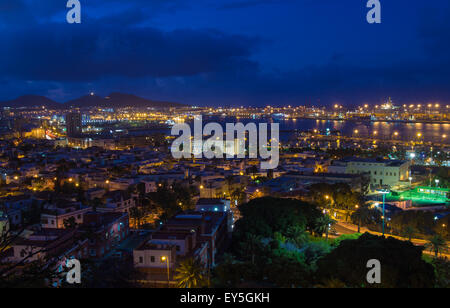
(323,224)
(361,216)
(409,232)
(436,244)
(251,243)
(191,274)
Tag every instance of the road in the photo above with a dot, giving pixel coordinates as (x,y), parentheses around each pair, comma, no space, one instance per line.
(348,228)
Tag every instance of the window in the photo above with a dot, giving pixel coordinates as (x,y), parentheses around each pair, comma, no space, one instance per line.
(152,259)
(141,260)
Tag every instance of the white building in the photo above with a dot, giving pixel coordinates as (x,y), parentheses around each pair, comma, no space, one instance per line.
(381,172)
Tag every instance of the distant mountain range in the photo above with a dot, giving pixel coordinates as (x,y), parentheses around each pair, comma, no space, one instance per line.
(114,100)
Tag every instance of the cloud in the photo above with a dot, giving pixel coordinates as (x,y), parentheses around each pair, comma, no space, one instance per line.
(120,47)
(89,51)
(250,3)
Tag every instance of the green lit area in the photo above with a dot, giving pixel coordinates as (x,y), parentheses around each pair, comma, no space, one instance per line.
(421,195)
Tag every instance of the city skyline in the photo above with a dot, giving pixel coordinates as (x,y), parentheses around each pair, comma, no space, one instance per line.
(212,53)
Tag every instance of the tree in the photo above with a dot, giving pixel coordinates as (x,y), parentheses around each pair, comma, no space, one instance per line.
(324,224)
(238,195)
(442,271)
(250,245)
(296,235)
(191,274)
(402,265)
(365,216)
(436,244)
(423,222)
(232,273)
(36,266)
(286,271)
(265,216)
(442,227)
(69,223)
(409,232)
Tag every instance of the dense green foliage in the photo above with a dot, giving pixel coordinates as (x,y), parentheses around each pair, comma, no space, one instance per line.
(278,243)
(265,216)
(401,263)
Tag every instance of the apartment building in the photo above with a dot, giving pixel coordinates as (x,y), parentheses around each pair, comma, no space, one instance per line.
(56,214)
(198,235)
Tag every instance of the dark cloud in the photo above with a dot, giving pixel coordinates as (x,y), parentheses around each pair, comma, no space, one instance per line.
(87,52)
(250,3)
(121,46)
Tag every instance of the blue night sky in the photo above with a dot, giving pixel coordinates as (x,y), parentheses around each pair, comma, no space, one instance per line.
(228,52)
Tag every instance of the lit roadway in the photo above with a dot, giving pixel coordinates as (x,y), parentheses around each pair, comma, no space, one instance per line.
(348,228)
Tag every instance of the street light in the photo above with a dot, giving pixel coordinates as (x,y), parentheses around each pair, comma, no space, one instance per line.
(166,259)
(384,192)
